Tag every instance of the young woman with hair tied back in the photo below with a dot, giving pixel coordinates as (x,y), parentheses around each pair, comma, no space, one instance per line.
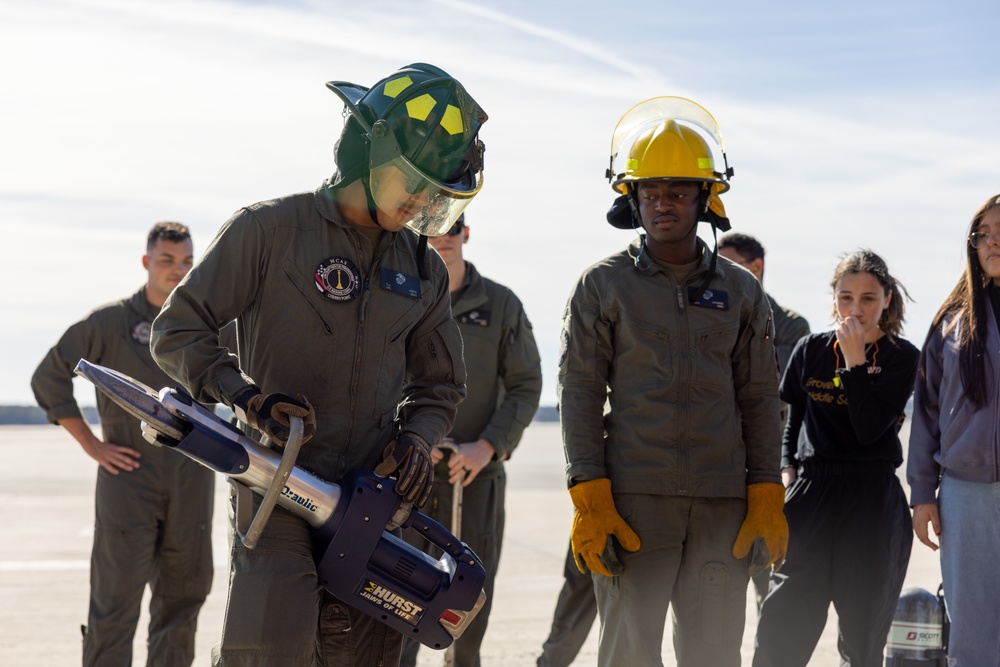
(848,521)
(953,465)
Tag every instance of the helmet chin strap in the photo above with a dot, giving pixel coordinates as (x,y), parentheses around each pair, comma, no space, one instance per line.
(372,208)
(421,255)
(633,206)
(703,196)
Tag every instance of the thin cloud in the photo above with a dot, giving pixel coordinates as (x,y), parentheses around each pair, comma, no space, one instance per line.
(570,42)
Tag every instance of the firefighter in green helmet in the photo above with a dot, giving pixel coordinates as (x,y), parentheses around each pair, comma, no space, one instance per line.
(342,320)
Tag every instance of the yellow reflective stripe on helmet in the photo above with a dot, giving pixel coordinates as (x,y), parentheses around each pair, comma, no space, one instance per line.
(706,163)
(451,121)
(396,86)
(420,107)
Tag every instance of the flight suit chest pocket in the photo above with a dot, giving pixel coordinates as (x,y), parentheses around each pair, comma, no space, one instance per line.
(397,315)
(713,348)
(646,352)
(299,301)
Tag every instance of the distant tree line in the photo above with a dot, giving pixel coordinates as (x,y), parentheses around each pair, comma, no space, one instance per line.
(32,414)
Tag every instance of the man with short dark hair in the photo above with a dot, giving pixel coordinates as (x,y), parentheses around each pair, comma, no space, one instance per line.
(153,507)
(789,327)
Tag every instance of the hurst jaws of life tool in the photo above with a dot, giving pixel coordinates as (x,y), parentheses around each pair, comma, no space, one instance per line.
(357,560)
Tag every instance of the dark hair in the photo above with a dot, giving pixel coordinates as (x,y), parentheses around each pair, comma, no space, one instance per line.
(744,244)
(174,232)
(866,261)
(968,304)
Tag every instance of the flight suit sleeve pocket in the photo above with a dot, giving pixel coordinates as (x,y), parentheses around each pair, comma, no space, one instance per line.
(439,354)
(585,346)
(764,355)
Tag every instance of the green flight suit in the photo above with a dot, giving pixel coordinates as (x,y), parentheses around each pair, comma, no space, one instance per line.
(504,387)
(153,524)
(669,389)
(322,312)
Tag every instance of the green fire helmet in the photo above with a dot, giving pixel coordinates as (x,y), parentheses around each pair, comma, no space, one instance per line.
(420,124)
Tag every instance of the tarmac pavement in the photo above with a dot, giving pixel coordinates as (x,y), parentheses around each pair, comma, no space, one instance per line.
(46,527)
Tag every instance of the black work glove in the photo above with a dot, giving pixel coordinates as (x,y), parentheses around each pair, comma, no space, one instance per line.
(408,458)
(269,414)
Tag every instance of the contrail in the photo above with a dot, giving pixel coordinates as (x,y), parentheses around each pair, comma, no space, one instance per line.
(572,43)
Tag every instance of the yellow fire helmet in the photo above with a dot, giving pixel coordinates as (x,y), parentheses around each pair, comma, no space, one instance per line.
(669,138)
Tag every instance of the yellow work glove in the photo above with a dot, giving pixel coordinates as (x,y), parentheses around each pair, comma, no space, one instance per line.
(595,522)
(765,521)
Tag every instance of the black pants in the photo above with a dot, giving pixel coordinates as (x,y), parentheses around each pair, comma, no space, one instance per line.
(849,543)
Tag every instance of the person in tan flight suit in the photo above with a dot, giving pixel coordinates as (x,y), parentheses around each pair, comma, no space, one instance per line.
(153,508)
(668,395)
(504,384)
(343,319)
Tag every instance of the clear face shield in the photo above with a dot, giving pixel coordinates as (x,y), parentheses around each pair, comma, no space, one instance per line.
(409,197)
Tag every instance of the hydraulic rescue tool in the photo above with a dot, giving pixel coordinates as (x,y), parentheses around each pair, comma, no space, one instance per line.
(357,559)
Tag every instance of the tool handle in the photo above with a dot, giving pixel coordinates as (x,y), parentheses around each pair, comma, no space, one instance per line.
(251,535)
(436,534)
(456,495)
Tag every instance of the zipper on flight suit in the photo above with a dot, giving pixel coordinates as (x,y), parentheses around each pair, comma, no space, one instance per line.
(359,346)
(682,451)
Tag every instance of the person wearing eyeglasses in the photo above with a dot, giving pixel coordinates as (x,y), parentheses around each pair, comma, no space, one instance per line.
(849,534)
(953,466)
(343,320)
(504,385)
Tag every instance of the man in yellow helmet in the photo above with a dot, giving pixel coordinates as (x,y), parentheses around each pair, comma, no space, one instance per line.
(335,301)
(669,405)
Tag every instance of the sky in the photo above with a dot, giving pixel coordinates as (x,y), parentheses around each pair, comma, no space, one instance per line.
(850,124)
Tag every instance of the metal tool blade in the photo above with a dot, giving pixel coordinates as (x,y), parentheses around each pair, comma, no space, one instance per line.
(134,397)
